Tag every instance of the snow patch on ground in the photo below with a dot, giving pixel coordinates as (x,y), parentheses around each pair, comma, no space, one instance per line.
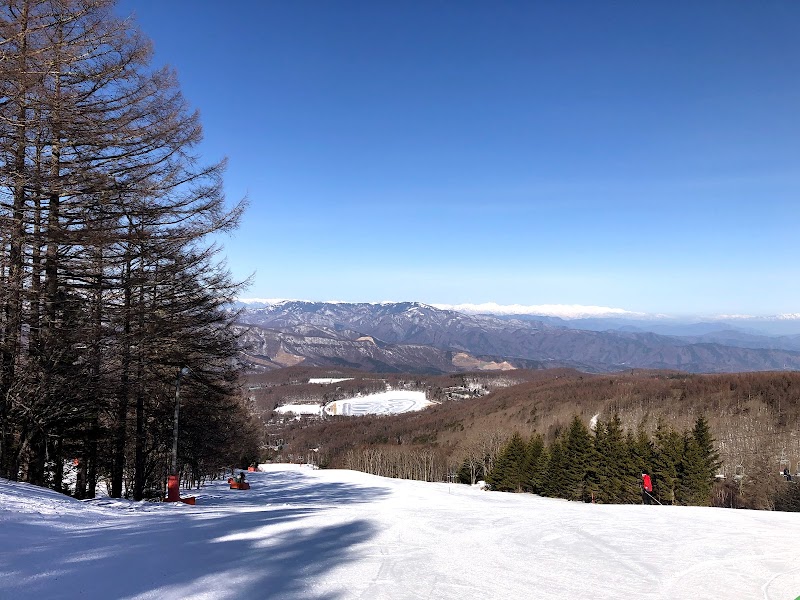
(300,409)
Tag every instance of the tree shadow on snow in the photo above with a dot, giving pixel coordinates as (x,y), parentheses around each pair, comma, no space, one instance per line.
(288,487)
(251,545)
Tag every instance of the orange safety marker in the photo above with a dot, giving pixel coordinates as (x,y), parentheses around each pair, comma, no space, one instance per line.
(174,492)
(173,489)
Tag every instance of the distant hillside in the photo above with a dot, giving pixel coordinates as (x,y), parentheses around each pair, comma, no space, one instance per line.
(313,346)
(410,336)
(753,415)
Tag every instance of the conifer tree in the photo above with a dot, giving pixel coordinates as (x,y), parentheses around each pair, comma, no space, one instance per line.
(699,465)
(579,458)
(535,465)
(701,434)
(788,497)
(507,475)
(615,465)
(669,448)
(641,449)
(555,484)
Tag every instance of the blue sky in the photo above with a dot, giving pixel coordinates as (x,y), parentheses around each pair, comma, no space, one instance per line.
(619,154)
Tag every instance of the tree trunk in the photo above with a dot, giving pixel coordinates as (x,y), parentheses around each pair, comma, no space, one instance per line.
(121,427)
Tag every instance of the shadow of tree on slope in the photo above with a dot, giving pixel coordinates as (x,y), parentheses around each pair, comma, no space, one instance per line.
(289,487)
(264,551)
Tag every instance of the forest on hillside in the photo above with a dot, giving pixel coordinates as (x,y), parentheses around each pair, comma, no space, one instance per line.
(751,418)
(111,294)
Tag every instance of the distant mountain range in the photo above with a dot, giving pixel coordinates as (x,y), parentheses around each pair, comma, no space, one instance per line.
(415,337)
(603,318)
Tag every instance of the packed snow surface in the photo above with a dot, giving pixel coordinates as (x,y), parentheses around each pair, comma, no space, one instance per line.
(391,402)
(305,534)
(300,409)
(329,380)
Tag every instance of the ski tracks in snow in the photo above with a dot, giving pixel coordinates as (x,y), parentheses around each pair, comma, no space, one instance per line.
(302,534)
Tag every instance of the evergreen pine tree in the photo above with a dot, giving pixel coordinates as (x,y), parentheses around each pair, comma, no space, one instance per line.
(691,473)
(554,480)
(593,478)
(641,450)
(615,465)
(508,471)
(701,434)
(788,497)
(579,460)
(667,458)
(699,465)
(535,467)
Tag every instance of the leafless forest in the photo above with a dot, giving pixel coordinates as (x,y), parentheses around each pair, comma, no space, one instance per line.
(752,416)
(108,284)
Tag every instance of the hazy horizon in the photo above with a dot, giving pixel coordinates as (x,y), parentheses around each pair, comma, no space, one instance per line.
(564,311)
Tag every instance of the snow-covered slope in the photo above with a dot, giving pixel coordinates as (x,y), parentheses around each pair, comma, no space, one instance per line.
(307,534)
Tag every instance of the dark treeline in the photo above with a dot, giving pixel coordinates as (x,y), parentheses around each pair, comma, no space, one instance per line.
(108,286)
(606,465)
(603,465)
(752,415)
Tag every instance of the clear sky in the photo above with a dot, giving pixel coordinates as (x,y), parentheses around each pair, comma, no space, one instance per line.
(625,154)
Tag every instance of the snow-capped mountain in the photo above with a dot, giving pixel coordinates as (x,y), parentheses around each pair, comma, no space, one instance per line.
(390,326)
(562,311)
(603,318)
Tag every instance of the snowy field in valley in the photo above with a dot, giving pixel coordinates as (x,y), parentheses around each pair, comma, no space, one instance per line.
(392,402)
(305,534)
(300,409)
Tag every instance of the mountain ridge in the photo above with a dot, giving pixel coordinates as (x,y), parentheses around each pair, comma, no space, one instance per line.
(406,328)
(576,316)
